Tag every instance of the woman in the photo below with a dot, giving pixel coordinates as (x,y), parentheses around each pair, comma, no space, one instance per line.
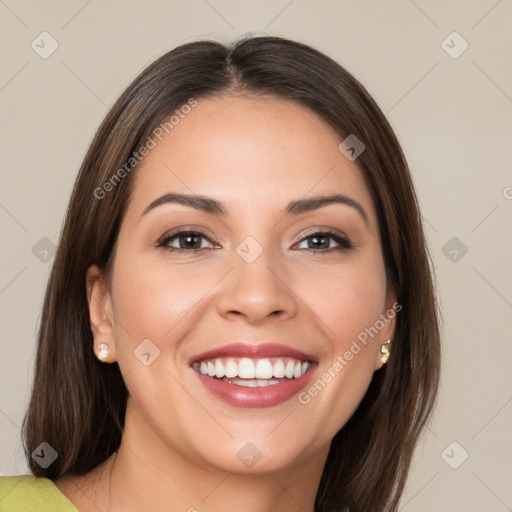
(241,312)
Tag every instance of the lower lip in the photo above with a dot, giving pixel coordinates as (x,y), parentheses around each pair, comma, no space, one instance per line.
(265,396)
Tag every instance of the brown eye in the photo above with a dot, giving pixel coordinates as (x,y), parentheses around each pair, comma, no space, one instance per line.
(320,241)
(185,241)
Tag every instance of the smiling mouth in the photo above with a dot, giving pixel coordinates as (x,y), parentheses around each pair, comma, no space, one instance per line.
(252,373)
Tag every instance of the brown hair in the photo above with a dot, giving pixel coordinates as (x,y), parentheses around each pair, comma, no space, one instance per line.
(78,404)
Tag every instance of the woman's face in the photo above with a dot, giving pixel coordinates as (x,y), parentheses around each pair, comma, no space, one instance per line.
(265,274)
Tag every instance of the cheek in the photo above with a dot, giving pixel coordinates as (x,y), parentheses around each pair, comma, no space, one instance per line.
(152,299)
(351,302)
(347,300)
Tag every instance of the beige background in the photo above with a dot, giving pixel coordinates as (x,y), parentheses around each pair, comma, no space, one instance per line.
(452,115)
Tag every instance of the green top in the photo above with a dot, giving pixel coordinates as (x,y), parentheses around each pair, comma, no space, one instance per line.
(26,493)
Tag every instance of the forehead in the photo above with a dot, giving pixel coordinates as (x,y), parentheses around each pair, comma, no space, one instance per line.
(247,151)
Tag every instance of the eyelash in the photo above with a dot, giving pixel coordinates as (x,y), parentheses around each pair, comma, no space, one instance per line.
(343,241)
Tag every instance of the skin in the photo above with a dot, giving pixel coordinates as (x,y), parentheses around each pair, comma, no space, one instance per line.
(179,448)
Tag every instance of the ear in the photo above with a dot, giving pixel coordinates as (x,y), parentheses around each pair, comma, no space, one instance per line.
(101,312)
(387,332)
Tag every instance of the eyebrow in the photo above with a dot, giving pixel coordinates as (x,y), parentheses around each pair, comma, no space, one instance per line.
(214,207)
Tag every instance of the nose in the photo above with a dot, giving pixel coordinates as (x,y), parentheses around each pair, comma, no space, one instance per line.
(257,291)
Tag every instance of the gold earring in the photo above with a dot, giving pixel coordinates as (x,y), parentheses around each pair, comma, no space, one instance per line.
(384,349)
(103,351)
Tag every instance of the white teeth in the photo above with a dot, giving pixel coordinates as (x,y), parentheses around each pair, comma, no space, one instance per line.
(264,369)
(219,369)
(257,370)
(231,368)
(251,383)
(279,369)
(290,367)
(246,369)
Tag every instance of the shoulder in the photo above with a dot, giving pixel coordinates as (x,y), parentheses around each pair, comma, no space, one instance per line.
(30,494)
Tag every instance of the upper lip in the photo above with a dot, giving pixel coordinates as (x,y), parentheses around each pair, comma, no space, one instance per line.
(253,351)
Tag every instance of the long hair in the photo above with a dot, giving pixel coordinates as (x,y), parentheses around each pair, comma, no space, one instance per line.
(78,404)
